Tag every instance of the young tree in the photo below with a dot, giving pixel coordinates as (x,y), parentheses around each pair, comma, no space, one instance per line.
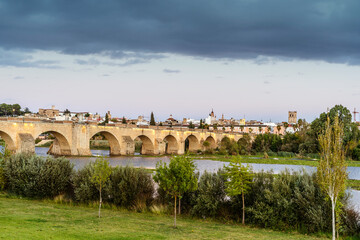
(123,121)
(152,119)
(331,172)
(176,178)
(238,182)
(191,125)
(101,175)
(278,127)
(201,124)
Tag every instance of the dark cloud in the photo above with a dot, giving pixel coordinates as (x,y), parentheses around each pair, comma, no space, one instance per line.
(326,30)
(171,71)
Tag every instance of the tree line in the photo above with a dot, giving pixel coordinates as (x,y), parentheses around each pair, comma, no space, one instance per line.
(304,142)
(12,110)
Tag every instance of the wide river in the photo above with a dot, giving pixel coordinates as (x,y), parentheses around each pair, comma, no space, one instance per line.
(202,165)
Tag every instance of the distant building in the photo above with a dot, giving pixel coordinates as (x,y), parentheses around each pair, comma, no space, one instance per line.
(211,119)
(50,113)
(292,118)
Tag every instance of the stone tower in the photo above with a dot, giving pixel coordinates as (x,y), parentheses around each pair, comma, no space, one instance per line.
(292,118)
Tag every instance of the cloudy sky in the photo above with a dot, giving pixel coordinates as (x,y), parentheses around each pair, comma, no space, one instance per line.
(252,58)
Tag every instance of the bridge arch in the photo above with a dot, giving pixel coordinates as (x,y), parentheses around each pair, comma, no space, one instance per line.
(114,143)
(192,144)
(9,142)
(147,146)
(211,141)
(171,145)
(60,145)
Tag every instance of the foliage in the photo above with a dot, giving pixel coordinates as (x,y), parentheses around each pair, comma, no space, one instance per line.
(210,196)
(331,172)
(100,176)
(191,125)
(288,201)
(238,182)
(10,109)
(267,142)
(229,146)
(176,178)
(131,187)
(152,119)
(245,144)
(123,120)
(34,176)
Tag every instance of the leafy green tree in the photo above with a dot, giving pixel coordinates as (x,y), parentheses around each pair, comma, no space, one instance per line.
(331,172)
(176,178)
(201,124)
(191,125)
(238,182)
(67,111)
(152,119)
(215,126)
(123,121)
(87,115)
(101,175)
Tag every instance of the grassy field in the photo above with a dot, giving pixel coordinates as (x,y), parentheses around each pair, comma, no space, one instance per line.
(354,184)
(30,219)
(271,160)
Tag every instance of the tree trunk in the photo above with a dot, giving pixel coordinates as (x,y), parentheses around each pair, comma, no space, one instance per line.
(175,213)
(100,202)
(179,205)
(243,208)
(333,218)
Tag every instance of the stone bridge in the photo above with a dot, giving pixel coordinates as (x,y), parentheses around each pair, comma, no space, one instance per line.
(72,139)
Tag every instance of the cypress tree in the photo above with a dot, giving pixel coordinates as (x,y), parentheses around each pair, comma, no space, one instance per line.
(152,119)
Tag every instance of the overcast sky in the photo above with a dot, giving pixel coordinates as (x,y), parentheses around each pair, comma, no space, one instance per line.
(252,58)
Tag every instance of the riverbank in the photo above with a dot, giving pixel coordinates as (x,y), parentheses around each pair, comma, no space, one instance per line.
(31,219)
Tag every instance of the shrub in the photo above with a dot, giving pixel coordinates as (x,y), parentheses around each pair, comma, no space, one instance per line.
(34,176)
(131,187)
(288,201)
(210,196)
(2,177)
(351,222)
(84,189)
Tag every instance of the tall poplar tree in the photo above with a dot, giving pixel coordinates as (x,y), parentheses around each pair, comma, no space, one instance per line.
(331,172)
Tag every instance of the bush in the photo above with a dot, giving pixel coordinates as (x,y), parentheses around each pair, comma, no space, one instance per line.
(2,177)
(34,176)
(288,201)
(84,189)
(351,222)
(131,187)
(210,196)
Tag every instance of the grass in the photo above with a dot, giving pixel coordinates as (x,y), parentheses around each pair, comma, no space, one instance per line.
(272,160)
(30,219)
(353,184)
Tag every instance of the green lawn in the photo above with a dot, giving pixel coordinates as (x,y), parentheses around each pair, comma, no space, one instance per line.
(272,160)
(30,219)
